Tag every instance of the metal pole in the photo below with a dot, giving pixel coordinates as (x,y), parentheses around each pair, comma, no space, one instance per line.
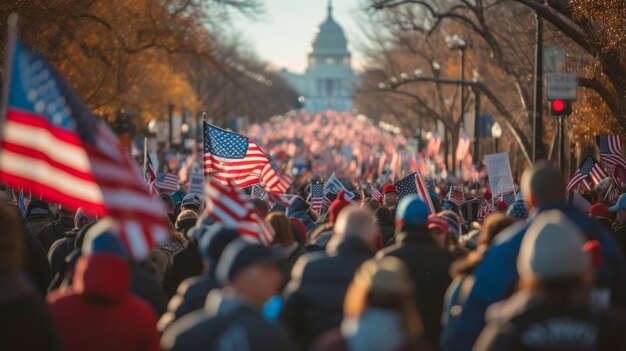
(170,112)
(562,145)
(538,153)
(462,79)
(476,126)
(497,140)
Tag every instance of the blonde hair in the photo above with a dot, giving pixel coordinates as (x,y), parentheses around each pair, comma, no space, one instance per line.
(384,283)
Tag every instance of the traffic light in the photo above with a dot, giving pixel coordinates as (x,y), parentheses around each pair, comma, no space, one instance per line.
(560,107)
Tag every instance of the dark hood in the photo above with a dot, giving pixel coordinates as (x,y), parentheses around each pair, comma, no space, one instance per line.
(102,276)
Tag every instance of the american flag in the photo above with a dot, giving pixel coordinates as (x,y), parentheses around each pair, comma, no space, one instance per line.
(148,172)
(167,181)
(508,197)
(434,144)
(612,150)
(232,157)
(273,181)
(413,184)
(396,161)
(317,196)
(588,167)
(463,146)
(54,146)
(376,194)
(484,209)
(226,203)
(456,194)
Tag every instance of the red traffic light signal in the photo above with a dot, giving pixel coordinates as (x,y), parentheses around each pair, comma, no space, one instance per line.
(560,107)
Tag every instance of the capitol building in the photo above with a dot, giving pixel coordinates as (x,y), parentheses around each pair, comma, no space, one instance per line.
(329,81)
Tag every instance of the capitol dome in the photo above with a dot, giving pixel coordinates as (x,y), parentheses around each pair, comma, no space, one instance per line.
(329,38)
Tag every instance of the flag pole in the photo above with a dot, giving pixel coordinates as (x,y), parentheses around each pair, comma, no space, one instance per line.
(145,155)
(8,64)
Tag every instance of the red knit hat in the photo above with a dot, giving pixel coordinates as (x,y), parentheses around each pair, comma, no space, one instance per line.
(389,188)
(338,205)
(502,206)
(600,210)
(300,228)
(487,195)
(435,221)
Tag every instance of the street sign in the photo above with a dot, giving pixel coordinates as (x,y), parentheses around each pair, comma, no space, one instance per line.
(561,86)
(162,131)
(553,58)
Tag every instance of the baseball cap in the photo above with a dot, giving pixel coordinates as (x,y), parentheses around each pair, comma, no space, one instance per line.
(191,202)
(389,188)
(37,207)
(412,211)
(435,221)
(620,205)
(239,255)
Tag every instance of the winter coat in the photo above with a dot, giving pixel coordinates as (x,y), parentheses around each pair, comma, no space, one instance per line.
(185,264)
(37,265)
(144,285)
(59,251)
(286,257)
(55,231)
(99,313)
(190,296)
(35,224)
(497,275)
(25,322)
(530,322)
(228,324)
(314,297)
(429,266)
(619,230)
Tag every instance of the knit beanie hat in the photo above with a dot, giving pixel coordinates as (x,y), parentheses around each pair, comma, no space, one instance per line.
(552,248)
(339,204)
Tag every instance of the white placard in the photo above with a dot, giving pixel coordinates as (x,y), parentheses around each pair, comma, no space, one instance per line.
(196,184)
(561,86)
(162,131)
(499,172)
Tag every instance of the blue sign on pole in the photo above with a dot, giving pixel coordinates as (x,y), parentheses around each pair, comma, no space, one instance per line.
(484,126)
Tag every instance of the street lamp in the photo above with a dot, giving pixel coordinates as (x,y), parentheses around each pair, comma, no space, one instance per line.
(496,132)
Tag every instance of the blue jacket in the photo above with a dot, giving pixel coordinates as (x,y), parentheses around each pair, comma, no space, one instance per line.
(496,276)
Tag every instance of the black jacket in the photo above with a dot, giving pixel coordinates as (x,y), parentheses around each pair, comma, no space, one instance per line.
(530,322)
(25,322)
(186,263)
(55,231)
(619,230)
(428,265)
(319,281)
(190,296)
(37,265)
(225,324)
(59,251)
(144,285)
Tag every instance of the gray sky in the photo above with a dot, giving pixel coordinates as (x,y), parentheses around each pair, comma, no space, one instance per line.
(283,36)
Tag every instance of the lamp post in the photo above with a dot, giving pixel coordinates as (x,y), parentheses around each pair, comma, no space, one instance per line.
(496,132)
(455,42)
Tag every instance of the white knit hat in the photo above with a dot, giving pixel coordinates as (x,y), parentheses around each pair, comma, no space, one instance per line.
(552,248)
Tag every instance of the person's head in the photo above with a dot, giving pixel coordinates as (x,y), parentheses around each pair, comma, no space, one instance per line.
(186,220)
(298,229)
(249,271)
(168,202)
(493,225)
(542,185)
(38,209)
(212,243)
(600,211)
(81,218)
(411,214)
(501,206)
(190,202)
(551,256)
(354,222)
(384,284)
(12,239)
(454,226)
(370,203)
(390,195)
(65,211)
(382,216)
(337,206)
(103,237)
(620,209)
(282,228)
(438,229)
(261,206)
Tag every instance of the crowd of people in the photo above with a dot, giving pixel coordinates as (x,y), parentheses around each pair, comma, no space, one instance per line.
(543,273)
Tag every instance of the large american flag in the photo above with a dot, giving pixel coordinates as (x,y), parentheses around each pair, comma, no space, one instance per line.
(413,184)
(167,181)
(588,168)
(612,151)
(232,157)
(226,203)
(54,146)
